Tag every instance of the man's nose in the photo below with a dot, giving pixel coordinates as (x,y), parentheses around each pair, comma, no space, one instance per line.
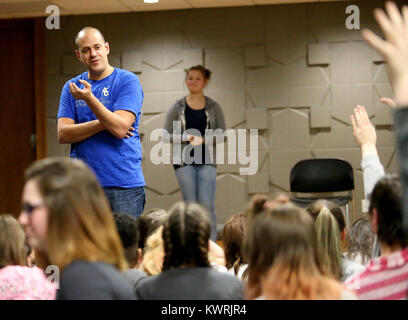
(93,52)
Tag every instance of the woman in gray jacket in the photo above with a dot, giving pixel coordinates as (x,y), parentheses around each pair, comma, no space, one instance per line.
(194,124)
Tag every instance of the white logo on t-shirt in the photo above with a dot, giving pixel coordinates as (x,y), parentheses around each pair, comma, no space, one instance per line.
(105,92)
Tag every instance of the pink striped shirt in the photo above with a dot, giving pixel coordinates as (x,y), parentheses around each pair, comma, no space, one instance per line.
(385,278)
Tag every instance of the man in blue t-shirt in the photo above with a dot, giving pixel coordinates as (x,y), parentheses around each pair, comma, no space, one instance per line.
(99,115)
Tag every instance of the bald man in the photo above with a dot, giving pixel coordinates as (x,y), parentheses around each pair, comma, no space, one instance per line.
(98,115)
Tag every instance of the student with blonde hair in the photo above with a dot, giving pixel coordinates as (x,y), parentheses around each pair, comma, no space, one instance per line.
(17,280)
(284,262)
(68,219)
(331,233)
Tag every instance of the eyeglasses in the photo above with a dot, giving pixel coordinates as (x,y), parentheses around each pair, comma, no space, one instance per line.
(29,208)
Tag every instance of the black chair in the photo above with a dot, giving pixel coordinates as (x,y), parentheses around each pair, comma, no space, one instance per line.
(325,177)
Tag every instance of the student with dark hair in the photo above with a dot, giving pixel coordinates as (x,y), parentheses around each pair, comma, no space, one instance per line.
(187,273)
(284,261)
(128,230)
(385,277)
(232,238)
(331,233)
(188,124)
(67,219)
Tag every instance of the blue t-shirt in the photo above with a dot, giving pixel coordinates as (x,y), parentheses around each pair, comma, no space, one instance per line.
(116,162)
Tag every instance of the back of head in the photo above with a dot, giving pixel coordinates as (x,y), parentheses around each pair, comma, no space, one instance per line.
(315,208)
(12,239)
(148,222)
(232,238)
(128,230)
(80,222)
(185,235)
(360,240)
(329,242)
(281,248)
(386,200)
(256,205)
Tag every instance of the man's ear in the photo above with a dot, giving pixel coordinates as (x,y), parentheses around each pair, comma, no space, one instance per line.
(78,55)
(374,221)
(107,47)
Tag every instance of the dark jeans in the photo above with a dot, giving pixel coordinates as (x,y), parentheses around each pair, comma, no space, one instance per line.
(123,200)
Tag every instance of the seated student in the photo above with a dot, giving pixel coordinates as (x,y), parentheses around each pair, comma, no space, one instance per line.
(153,257)
(360,241)
(128,230)
(68,220)
(283,258)
(148,222)
(366,137)
(186,269)
(331,233)
(232,238)
(17,280)
(385,277)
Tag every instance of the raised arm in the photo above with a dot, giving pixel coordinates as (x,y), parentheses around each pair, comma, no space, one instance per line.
(366,137)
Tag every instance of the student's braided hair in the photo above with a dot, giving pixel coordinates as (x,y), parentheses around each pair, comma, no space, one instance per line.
(185,235)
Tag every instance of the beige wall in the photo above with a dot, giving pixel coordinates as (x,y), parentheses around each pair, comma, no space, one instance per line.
(294,72)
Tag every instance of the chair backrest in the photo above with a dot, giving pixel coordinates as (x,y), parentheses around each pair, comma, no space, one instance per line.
(321,175)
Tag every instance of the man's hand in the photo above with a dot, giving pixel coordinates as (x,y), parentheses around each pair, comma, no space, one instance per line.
(364,131)
(394,48)
(130,133)
(81,94)
(195,140)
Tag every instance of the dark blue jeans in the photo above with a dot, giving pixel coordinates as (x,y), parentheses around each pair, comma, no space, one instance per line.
(197,184)
(123,200)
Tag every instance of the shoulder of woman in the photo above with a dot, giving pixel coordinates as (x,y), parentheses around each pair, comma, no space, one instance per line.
(178,104)
(213,104)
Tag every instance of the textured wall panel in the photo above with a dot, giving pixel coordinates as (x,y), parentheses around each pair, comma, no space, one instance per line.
(192,57)
(255,56)
(310,96)
(54,149)
(258,183)
(320,117)
(71,65)
(232,103)
(132,61)
(232,199)
(162,48)
(257,118)
(318,53)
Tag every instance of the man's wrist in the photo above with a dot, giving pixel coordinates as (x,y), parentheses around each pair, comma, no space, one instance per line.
(90,99)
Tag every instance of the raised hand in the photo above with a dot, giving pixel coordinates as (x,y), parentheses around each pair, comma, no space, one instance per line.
(389,102)
(394,48)
(81,94)
(364,131)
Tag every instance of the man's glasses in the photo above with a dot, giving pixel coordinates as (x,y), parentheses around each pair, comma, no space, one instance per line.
(29,208)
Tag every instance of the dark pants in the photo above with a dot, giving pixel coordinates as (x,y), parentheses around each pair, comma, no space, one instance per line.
(123,200)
